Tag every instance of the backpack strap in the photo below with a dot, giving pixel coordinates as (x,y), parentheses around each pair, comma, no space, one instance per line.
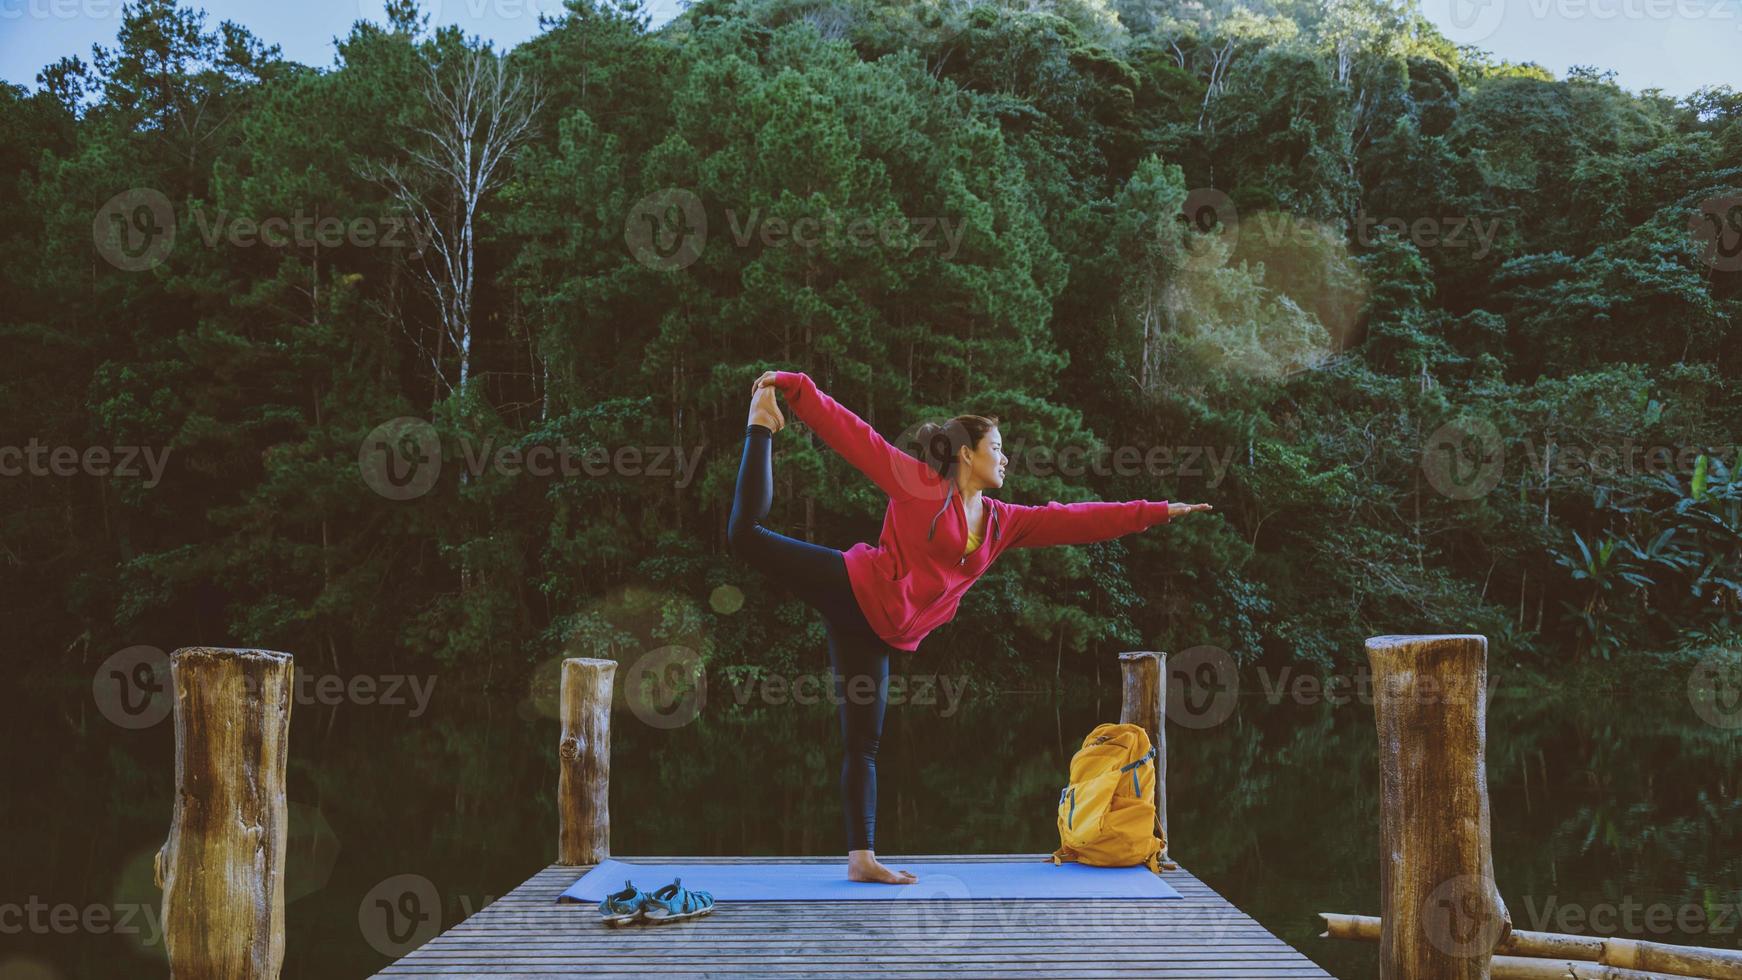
(1129,766)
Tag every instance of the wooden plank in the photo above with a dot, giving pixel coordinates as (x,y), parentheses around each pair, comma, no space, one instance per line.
(1201,935)
(941,971)
(1051,972)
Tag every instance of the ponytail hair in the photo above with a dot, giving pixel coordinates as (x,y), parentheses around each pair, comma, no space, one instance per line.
(937,444)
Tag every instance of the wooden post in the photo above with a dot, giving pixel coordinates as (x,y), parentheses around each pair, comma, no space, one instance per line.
(222,868)
(584,772)
(1441,913)
(1145,703)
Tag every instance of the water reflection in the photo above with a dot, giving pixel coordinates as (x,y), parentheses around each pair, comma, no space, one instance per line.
(1601,802)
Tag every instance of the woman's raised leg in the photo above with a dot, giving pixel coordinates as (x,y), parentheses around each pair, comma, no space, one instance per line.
(799,565)
(815,573)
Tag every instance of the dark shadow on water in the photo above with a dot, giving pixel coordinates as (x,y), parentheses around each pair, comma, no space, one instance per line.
(403,825)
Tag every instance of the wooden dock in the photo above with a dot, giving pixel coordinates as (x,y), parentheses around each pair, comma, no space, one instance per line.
(528,933)
(1441,914)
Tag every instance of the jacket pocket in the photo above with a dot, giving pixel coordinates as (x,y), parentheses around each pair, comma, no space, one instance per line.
(922,601)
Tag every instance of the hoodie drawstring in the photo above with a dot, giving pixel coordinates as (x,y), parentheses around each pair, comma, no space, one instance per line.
(934,518)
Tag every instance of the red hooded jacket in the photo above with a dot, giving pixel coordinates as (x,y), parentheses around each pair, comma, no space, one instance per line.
(913,580)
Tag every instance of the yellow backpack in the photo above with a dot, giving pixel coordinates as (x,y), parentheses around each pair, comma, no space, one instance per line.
(1107,814)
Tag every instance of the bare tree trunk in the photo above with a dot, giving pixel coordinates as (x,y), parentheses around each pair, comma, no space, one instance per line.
(1221,57)
(479,113)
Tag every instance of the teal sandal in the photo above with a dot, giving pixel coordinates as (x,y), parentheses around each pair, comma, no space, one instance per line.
(627,905)
(674,902)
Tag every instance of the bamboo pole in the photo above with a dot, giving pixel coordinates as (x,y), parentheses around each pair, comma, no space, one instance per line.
(1144,703)
(1524,968)
(222,867)
(1657,959)
(1441,911)
(584,766)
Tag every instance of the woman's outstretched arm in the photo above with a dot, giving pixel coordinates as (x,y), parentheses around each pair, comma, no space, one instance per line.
(898,474)
(1093,520)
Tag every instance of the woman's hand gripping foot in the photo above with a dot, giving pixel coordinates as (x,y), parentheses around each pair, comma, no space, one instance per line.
(764,410)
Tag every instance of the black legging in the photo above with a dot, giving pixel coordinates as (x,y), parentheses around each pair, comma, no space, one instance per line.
(819,576)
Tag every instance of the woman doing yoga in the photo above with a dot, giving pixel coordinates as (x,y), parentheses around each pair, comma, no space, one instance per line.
(940,533)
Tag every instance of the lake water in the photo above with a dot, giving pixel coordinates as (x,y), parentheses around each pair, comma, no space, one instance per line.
(1617,810)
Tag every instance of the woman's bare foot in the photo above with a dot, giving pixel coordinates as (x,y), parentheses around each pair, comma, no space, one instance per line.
(765,411)
(864,866)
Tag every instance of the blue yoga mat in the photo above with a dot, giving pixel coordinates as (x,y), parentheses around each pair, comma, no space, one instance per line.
(937,879)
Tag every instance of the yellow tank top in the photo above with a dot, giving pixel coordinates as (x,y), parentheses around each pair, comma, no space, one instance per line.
(973,542)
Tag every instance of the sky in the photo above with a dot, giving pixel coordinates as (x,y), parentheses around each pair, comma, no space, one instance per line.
(1674,45)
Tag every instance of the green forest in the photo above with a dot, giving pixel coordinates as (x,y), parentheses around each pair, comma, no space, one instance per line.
(1448,341)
